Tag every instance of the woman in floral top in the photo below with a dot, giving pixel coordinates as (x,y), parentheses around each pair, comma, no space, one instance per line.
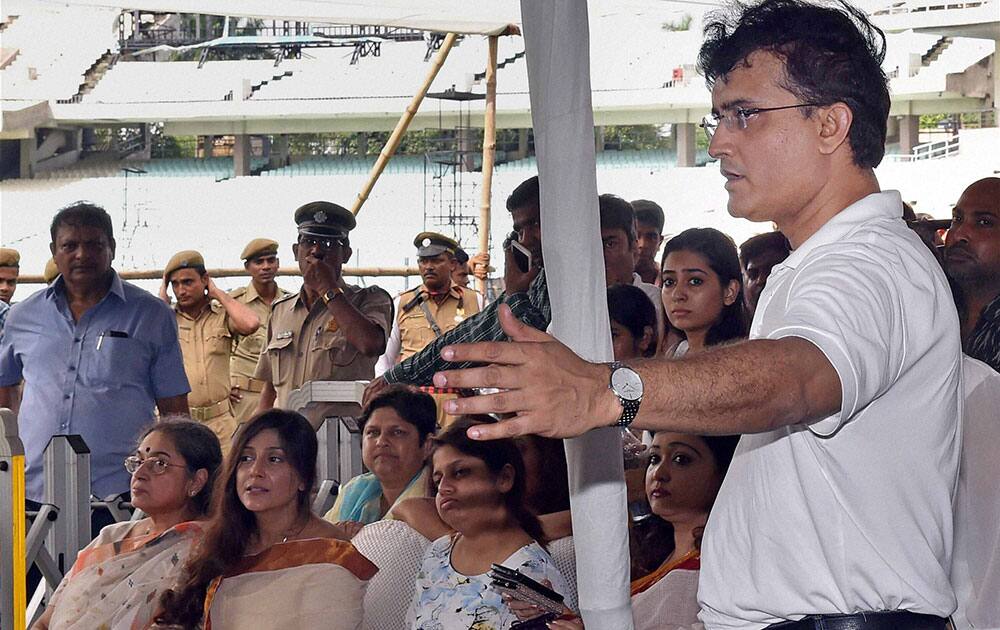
(480,494)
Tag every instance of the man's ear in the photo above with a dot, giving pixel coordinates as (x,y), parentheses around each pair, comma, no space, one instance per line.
(295,251)
(347,255)
(835,125)
(52,249)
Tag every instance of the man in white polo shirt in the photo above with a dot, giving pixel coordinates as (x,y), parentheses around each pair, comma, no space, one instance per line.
(836,511)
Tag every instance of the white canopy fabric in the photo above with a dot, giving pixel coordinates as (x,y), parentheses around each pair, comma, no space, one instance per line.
(557,45)
(447,16)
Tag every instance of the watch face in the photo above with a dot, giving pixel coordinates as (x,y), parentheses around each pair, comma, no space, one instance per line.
(626,383)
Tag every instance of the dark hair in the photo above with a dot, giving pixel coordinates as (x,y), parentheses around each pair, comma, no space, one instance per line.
(649,212)
(495,454)
(757,245)
(652,539)
(83,214)
(526,194)
(630,307)
(412,405)
(199,447)
(720,252)
(232,525)
(832,54)
(617,214)
(552,487)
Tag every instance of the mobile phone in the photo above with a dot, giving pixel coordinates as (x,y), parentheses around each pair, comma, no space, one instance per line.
(522,257)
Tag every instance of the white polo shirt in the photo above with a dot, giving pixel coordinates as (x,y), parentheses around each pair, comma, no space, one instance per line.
(852,513)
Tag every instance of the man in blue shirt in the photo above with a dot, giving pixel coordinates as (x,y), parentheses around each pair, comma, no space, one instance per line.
(95,353)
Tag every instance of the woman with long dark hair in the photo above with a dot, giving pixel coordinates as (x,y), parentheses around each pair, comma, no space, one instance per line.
(481,496)
(703,290)
(264,546)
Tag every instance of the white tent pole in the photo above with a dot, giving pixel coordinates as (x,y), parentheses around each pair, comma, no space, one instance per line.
(557,46)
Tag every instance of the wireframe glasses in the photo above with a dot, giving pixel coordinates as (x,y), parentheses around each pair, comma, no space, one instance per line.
(736,119)
(157,466)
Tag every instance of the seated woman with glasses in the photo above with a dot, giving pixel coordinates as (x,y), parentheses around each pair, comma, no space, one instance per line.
(116,580)
(395,427)
(481,497)
(703,290)
(266,560)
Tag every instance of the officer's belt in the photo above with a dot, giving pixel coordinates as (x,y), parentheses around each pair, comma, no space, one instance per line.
(204,414)
(248,384)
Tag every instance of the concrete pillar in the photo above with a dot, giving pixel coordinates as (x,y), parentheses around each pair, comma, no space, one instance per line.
(279,151)
(599,139)
(26,170)
(892,129)
(362,144)
(207,144)
(522,144)
(909,133)
(146,152)
(464,145)
(685,143)
(241,155)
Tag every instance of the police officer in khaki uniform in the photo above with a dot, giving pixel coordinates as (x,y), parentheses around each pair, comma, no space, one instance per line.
(207,319)
(51,272)
(430,310)
(329,330)
(10,267)
(260,259)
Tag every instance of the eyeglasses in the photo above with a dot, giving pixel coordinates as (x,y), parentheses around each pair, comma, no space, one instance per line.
(157,466)
(736,119)
(325,244)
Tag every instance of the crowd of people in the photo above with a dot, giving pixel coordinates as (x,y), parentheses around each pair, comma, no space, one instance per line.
(809,421)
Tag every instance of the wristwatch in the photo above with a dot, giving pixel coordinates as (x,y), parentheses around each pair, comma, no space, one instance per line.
(627,386)
(330,295)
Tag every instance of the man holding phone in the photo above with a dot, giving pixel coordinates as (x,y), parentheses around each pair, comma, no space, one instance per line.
(329,330)
(526,294)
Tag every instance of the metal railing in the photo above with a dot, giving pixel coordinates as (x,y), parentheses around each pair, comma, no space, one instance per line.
(929,151)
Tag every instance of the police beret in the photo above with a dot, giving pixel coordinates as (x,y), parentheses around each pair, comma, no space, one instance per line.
(51,271)
(322,218)
(432,244)
(183,260)
(9,257)
(259,247)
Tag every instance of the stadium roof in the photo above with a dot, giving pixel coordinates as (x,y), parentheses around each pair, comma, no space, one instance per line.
(497,17)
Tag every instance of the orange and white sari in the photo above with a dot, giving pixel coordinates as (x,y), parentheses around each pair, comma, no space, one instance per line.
(301,584)
(116,581)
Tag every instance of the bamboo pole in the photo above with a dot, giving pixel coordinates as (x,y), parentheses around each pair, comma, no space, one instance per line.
(489,152)
(397,134)
(157,274)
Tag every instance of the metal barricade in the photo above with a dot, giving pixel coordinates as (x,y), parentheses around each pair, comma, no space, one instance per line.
(339,437)
(12,535)
(67,486)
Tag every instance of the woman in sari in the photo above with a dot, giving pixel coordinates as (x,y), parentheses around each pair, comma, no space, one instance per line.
(394,446)
(684,475)
(117,579)
(266,561)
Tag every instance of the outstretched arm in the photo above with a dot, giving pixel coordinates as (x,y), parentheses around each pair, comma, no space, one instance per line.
(743,388)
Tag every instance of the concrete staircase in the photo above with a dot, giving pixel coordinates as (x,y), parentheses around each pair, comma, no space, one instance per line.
(92,76)
(935,51)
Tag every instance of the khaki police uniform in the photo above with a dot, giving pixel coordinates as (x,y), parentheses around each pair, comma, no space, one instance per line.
(206,342)
(307,344)
(421,316)
(247,348)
